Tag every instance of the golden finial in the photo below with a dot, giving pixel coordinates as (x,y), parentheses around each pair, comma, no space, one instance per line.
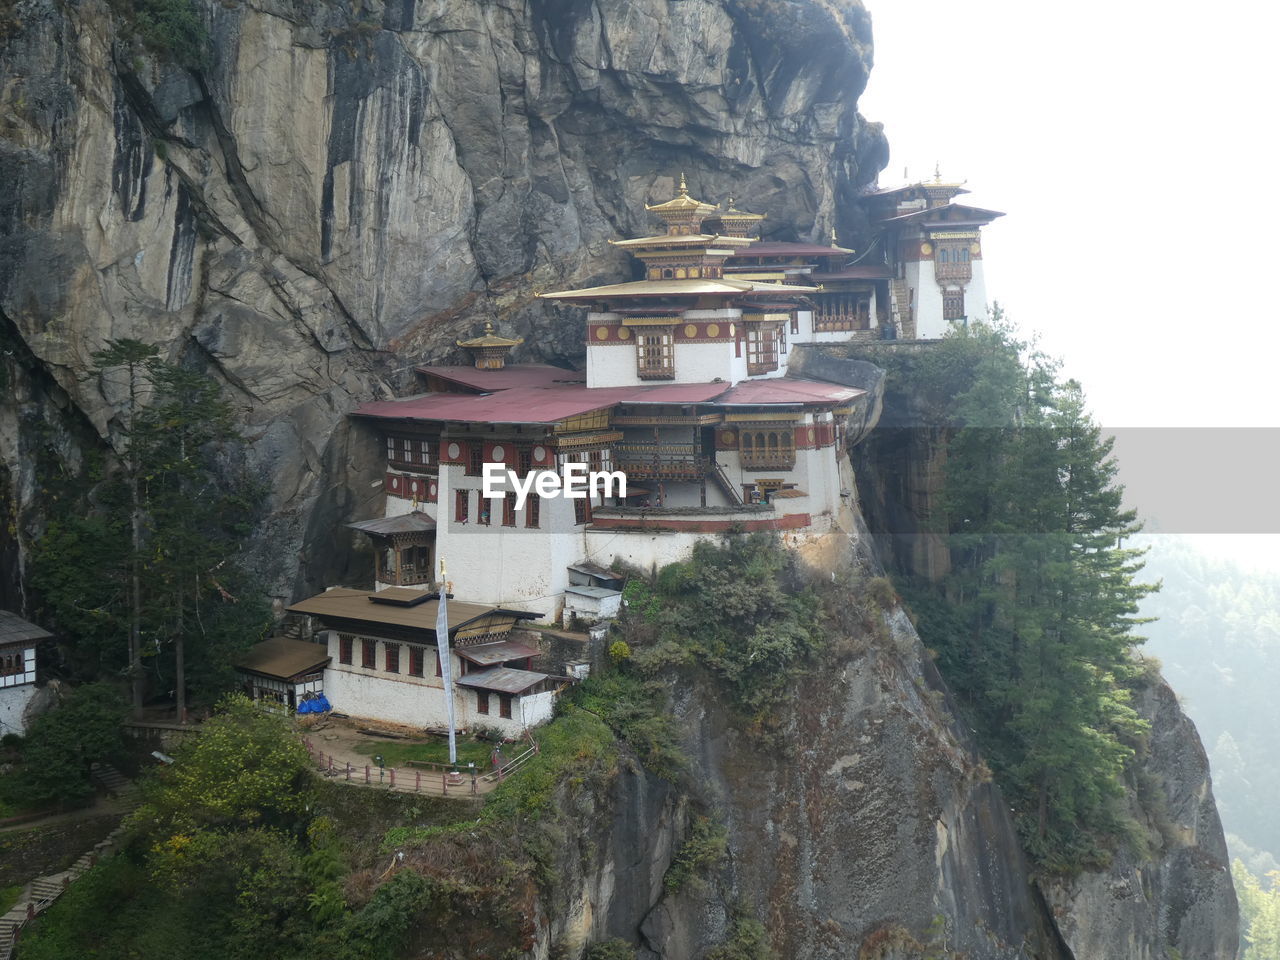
(937,172)
(730,204)
(488,328)
(684,188)
(834,242)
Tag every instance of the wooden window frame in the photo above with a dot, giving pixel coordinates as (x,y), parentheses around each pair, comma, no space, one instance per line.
(391,657)
(533,511)
(461,506)
(475,459)
(346,648)
(369,654)
(509,509)
(504,705)
(656,353)
(415,661)
(482,702)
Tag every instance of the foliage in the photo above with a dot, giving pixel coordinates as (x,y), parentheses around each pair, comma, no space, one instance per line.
(702,851)
(61,745)
(619,651)
(1259,912)
(614,949)
(1033,624)
(748,940)
(162,541)
(734,609)
(1204,601)
(633,709)
(245,769)
(172,28)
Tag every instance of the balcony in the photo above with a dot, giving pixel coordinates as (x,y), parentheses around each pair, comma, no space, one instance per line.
(661,461)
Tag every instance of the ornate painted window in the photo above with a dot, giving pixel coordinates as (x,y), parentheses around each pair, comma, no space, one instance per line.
(769,447)
(762,349)
(952,304)
(407,453)
(655,354)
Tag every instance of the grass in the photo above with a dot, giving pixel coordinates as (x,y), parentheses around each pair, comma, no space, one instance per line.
(397,754)
(9,896)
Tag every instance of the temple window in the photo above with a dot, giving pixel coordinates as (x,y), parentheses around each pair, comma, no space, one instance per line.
(668,273)
(392,657)
(415,564)
(369,654)
(461,506)
(767,449)
(762,349)
(482,510)
(842,311)
(655,355)
(524,461)
(439,672)
(475,460)
(482,702)
(953,304)
(581,511)
(403,452)
(532,510)
(415,661)
(345,643)
(504,705)
(508,510)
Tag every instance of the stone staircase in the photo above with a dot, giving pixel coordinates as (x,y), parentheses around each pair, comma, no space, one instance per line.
(43,891)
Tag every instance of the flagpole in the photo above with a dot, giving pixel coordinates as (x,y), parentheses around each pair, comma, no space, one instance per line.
(446,667)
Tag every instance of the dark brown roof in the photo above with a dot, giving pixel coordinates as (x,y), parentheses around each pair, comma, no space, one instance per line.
(284,658)
(415,522)
(487,654)
(13,629)
(512,375)
(502,679)
(342,603)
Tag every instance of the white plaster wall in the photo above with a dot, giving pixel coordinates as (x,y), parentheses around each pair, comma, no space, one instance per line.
(399,506)
(518,567)
(13,701)
(928,300)
(975,294)
(592,608)
(534,709)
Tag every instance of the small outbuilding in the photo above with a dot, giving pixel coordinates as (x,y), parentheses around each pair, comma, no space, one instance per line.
(19,640)
(283,672)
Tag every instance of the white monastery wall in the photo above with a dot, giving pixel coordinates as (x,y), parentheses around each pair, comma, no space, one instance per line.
(13,703)
(975,294)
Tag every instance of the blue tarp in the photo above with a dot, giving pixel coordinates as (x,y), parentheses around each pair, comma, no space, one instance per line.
(317,704)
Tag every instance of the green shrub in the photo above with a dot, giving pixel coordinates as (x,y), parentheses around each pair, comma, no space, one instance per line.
(702,851)
(748,940)
(614,949)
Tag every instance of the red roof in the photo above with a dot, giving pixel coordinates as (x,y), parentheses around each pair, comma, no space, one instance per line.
(517,375)
(973,213)
(860,271)
(787,390)
(547,405)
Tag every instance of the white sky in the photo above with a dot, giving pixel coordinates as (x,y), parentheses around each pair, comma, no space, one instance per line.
(1133,147)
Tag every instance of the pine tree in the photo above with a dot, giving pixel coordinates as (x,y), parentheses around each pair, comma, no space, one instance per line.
(1042,598)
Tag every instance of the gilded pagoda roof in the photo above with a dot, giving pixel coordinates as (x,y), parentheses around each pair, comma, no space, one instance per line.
(685,240)
(673,288)
(682,203)
(490,339)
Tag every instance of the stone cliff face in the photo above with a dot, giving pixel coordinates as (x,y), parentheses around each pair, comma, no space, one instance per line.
(345,189)
(869,828)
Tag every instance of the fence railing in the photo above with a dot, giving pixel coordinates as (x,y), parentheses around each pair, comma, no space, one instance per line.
(439,779)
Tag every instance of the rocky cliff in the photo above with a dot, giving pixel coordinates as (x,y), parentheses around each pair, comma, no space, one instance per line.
(341,190)
(868,826)
(337,193)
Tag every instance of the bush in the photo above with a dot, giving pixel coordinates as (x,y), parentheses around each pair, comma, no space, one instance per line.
(614,949)
(62,744)
(619,651)
(705,848)
(880,592)
(747,941)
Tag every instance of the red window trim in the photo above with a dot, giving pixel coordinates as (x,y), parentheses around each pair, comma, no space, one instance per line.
(415,661)
(391,657)
(346,647)
(369,654)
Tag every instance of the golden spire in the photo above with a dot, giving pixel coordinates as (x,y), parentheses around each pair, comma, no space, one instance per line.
(684,188)
(937,172)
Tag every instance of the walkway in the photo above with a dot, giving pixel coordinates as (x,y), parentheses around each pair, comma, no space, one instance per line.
(335,757)
(41,892)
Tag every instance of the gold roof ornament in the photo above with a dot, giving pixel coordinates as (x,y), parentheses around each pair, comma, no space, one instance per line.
(682,213)
(490,350)
(738,223)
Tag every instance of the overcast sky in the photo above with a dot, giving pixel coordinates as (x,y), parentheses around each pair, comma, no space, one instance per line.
(1132,145)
